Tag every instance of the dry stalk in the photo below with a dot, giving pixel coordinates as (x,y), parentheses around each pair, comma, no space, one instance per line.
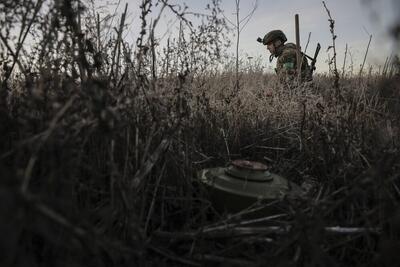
(344,62)
(365,55)
(153,200)
(114,72)
(25,29)
(149,164)
(333,46)
(44,136)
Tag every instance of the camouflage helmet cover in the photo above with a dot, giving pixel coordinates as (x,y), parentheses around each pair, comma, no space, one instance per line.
(274,35)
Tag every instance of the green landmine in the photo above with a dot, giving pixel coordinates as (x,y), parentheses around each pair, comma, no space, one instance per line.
(243,183)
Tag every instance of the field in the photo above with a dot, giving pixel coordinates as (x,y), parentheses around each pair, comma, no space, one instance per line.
(102,142)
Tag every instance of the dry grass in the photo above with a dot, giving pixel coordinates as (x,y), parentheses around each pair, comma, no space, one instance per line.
(98,166)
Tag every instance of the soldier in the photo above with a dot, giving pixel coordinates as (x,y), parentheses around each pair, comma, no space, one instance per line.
(286,54)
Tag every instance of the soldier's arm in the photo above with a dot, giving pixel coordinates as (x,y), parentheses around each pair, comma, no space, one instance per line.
(286,66)
(288,60)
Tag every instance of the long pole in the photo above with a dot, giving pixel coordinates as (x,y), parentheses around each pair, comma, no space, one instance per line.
(298,43)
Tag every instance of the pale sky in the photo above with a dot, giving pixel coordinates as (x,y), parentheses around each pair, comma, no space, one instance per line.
(355,20)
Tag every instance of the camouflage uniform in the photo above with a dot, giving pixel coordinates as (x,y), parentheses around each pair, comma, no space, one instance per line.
(286,65)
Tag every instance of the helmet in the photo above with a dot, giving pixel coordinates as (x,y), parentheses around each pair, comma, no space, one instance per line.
(274,35)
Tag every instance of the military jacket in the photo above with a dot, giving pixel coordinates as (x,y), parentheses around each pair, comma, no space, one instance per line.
(286,65)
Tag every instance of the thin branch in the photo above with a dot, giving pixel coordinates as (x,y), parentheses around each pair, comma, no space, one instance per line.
(228,20)
(13,54)
(249,16)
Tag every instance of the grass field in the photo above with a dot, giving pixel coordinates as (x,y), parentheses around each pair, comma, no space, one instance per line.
(101,145)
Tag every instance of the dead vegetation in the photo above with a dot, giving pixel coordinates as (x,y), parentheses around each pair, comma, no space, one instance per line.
(101,142)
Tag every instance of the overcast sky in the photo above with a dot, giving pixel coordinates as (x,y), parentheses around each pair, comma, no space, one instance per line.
(355,20)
